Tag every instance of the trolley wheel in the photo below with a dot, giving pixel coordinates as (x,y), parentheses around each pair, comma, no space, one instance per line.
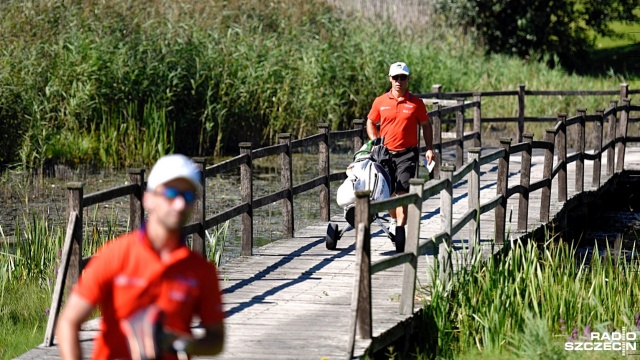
(332,237)
(399,239)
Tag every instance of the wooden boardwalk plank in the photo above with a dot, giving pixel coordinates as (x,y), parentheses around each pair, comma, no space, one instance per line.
(292,299)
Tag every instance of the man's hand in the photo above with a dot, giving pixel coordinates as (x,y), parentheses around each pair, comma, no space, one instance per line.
(429,156)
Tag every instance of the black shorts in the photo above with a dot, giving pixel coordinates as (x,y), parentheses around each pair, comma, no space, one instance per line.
(403,168)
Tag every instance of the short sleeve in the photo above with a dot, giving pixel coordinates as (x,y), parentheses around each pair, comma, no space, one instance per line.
(423,115)
(97,277)
(374,113)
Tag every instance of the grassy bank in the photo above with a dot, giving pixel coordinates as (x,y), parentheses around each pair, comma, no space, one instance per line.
(117,84)
(531,302)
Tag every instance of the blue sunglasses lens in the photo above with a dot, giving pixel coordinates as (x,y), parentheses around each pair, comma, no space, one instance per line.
(171,193)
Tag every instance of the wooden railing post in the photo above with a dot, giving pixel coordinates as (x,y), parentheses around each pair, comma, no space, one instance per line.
(61,280)
(411,245)
(437,90)
(286,183)
(611,138)
(474,199)
(580,146)
(501,189)
(323,168)
(437,140)
(525,180)
(136,212)
(359,140)
(624,92)
(561,145)
(363,259)
(75,192)
(460,134)
(477,121)
(199,210)
(521,90)
(246,194)
(622,143)
(446,218)
(545,197)
(597,140)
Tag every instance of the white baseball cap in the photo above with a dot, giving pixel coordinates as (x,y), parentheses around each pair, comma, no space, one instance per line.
(170,167)
(398,69)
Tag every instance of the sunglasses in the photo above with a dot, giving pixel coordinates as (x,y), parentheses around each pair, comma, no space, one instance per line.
(171,193)
(400,77)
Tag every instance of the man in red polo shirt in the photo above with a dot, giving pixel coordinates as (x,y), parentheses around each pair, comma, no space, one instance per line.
(398,114)
(150,268)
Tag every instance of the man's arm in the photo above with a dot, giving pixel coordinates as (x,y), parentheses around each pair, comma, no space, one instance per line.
(427,134)
(372,130)
(75,312)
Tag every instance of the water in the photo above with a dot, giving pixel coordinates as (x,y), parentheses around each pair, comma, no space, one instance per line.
(25,197)
(613,222)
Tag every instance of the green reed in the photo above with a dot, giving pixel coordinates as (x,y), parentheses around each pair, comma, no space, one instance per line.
(500,306)
(124,81)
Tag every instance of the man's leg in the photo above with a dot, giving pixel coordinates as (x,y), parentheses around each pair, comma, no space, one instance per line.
(405,170)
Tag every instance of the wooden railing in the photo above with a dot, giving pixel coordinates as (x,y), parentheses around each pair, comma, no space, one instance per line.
(72,262)
(77,201)
(555,140)
(437,96)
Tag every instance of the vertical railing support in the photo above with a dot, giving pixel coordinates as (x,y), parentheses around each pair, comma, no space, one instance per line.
(477,120)
(622,137)
(446,218)
(411,245)
(323,169)
(437,140)
(199,213)
(525,180)
(611,138)
(474,199)
(75,193)
(545,197)
(460,134)
(286,183)
(624,92)
(136,212)
(61,281)
(436,89)
(580,146)
(501,189)
(597,141)
(521,102)
(246,194)
(363,261)
(561,143)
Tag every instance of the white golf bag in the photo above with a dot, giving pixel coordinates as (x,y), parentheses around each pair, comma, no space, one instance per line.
(363,174)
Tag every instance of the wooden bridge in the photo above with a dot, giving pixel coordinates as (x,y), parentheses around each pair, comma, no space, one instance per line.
(294,299)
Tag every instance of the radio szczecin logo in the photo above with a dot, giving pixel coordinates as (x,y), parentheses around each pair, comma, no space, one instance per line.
(622,341)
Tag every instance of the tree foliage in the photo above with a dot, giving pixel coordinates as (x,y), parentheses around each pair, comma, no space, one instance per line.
(540,28)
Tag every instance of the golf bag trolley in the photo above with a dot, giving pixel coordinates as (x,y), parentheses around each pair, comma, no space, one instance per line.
(366,172)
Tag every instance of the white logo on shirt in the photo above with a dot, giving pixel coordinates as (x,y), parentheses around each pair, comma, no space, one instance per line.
(384,107)
(124,280)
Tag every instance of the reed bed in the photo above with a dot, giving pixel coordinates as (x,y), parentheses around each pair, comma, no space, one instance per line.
(125,82)
(532,301)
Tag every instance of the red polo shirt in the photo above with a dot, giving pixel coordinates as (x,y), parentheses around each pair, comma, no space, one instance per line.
(127,275)
(398,119)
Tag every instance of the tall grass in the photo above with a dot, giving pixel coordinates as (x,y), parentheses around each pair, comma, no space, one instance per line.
(217,73)
(542,293)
